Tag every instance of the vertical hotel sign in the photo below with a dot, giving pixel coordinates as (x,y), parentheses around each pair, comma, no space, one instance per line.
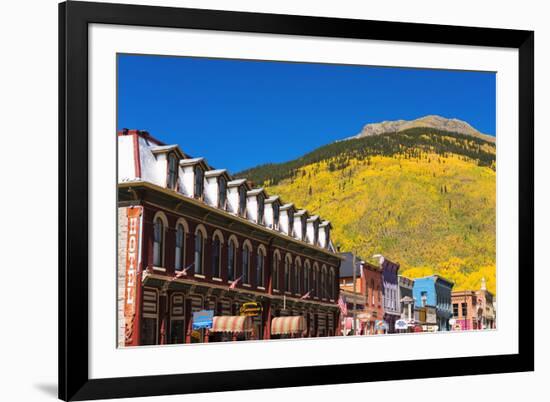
(132,257)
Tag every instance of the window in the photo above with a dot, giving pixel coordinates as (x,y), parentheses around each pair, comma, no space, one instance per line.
(180,247)
(316,280)
(275,270)
(222,188)
(306,277)
(327,236)
(275,215)
(172,171)
(242,201)
(423,297)
(246,263)
(323,282)
(297,267)
(455,309)
(260,268)
(199,181)
(158,242)
(290,222)
(199,248)
(216,257)
(464,309)
(316,232)
(288,278)
(304,227)
(372,290)
(231,259)
(331,280)
(260,201)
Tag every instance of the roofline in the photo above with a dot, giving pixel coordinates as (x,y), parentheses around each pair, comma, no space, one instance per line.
(238,218)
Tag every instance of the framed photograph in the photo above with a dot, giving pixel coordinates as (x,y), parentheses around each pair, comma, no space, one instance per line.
(258,201)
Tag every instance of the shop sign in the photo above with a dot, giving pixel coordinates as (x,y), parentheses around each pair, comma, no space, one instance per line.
(251,309)
(203,319)
(130,288)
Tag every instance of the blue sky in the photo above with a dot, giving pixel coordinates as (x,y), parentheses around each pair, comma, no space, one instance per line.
(240,114)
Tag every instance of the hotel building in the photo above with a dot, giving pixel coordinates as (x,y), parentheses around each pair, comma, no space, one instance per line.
(192,239)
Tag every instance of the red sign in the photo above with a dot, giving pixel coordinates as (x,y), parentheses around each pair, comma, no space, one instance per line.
(132,248)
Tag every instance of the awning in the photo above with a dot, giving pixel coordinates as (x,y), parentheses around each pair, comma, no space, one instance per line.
(288,325)
(231,323)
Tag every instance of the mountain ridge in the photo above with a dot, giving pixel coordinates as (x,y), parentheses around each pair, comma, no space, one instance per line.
(429,121)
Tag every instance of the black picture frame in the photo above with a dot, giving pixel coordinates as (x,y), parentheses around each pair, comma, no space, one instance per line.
(74,18)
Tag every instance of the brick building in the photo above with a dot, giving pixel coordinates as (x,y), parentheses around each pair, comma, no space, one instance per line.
(194,239)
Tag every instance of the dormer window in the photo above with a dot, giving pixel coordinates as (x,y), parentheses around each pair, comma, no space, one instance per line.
(290,222)
(275,216)
(316,232)
(199,181)
(172,178)
(222,192)
(260,201)
(242,201)
(303,218)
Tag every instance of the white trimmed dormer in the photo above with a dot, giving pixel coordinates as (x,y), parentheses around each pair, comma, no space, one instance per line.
(236,197)
(286,219)
(272,212)
(255,205)
(167,160)
(313,230)
(324,234)
(192,180)
(300,224)
(215,188)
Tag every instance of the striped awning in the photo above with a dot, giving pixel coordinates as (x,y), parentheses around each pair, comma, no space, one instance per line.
(288,325)
(231,323)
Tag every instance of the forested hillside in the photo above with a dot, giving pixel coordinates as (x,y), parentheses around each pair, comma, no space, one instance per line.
(422,197)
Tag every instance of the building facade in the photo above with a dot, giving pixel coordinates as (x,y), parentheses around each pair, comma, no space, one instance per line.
(435,291)
(406,300)
(392,310)
(474,310)
(193,239)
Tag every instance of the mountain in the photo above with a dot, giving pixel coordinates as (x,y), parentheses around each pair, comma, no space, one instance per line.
(422,196)
(431,121)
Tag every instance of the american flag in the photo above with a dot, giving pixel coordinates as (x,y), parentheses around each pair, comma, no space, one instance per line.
(234,284)
(343,306)
(182,272)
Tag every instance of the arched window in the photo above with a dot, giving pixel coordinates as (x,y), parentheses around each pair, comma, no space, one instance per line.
(172,178)
(288,277)
(199,181)
(260,267)
(306,277)
(158,242)
(217,256)
(246,263)
(275,270)
(331,280)
(180,247)
(231,260)
(324,282)
(297,266)
(199,252)
(316,280)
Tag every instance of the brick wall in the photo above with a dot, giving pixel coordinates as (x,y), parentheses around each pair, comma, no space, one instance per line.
(122,243)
